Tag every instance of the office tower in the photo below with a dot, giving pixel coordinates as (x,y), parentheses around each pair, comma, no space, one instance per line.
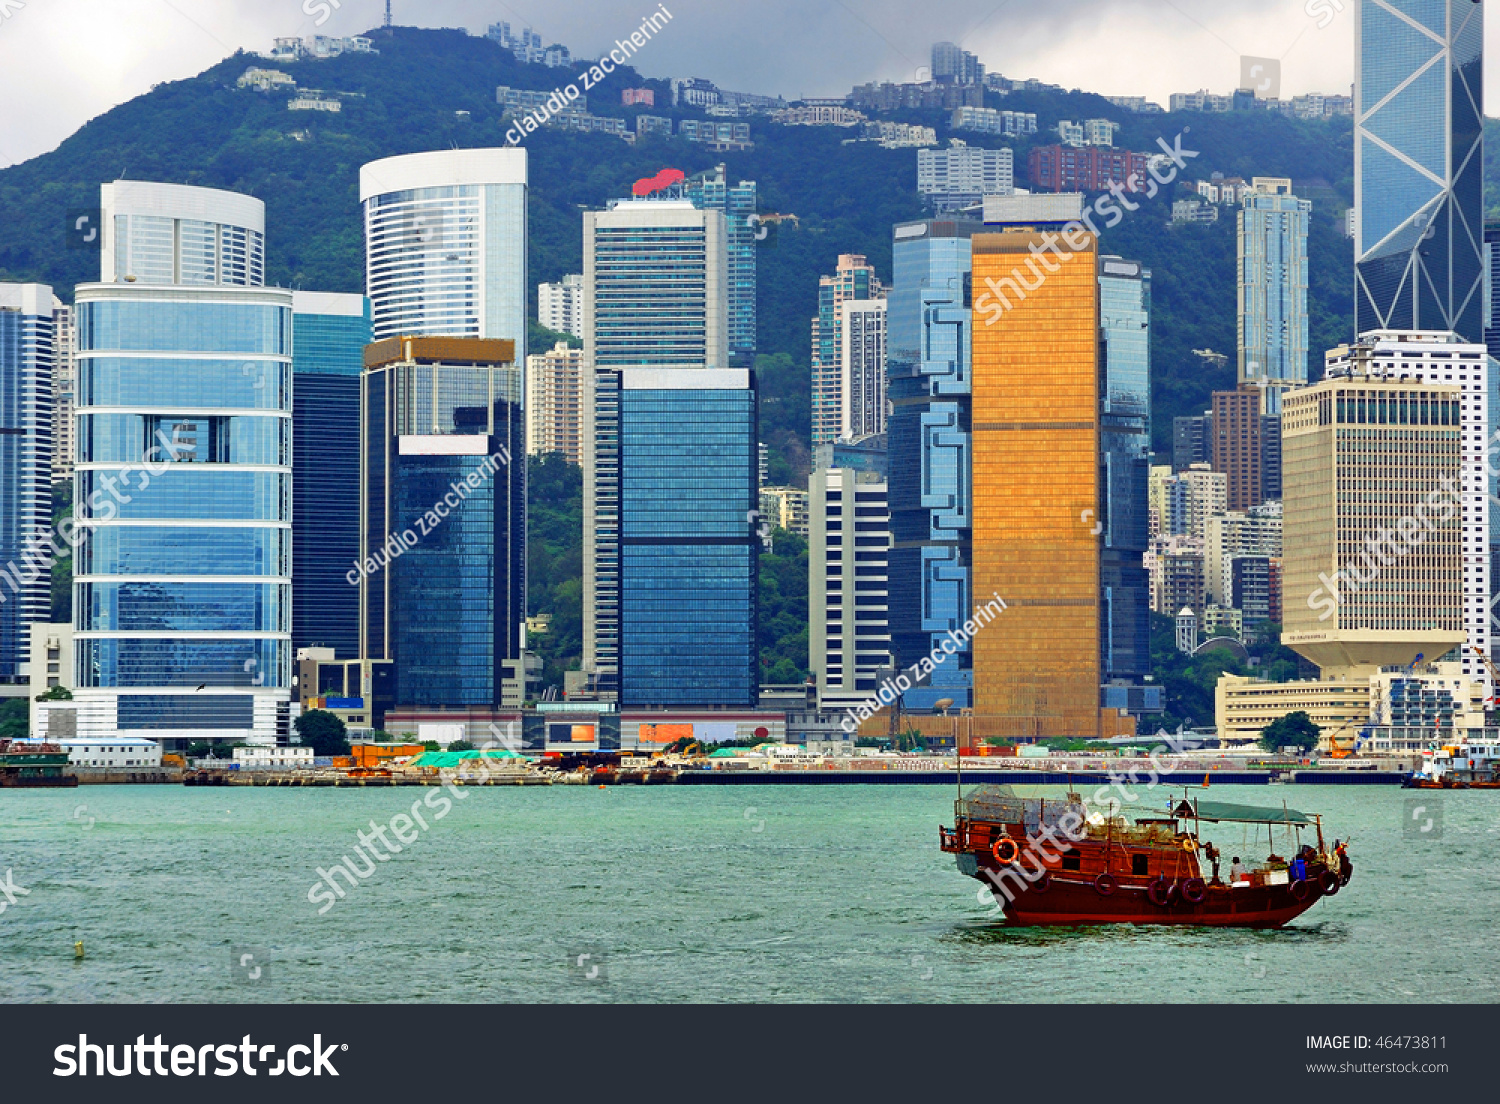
(849,640)
(655,313)
(711,191)
(1418,164)
(1431,359)
(63,374)
(442,557)
(27,349)
(1492,343)
(178,234)
(1192,440)
(559,307)
(953,65)
(183,483)
(445,244)
(688,554)
(329,335)
(836,359)
(1124,462)
(1375,569)
(1272,256)
(1036,481)
(963,175)
(554,402)
(928,386)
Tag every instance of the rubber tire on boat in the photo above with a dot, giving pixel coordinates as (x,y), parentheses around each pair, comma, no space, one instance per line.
(1329,882)
(1194,891)
(1105,885)
(1298,889)
(1160,892)
(1013,849)
(1344,876)
(1044,883)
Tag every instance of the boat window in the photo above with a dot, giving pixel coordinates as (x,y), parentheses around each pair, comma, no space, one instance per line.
(1140,865)
(1072,860)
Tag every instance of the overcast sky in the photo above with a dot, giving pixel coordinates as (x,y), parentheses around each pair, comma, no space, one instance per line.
(62,62)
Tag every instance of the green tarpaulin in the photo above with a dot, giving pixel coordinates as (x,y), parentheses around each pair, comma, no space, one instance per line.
(448,760)
(1254,814)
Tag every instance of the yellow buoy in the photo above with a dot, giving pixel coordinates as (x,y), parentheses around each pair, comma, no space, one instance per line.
(78,949)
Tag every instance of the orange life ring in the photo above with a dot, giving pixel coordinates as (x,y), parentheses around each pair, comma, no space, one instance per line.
(1011,849)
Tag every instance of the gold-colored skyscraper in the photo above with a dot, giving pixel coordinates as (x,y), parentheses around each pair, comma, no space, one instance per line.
(1036,493)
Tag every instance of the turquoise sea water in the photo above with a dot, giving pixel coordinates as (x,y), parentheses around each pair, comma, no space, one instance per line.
(705,893)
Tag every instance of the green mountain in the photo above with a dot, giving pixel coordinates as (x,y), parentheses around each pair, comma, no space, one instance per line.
(846,194)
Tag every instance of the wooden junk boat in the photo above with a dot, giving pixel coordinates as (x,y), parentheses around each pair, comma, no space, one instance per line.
(1050,862)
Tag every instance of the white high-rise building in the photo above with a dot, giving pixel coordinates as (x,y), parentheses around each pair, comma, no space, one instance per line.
(559,307)
(554,402)
(848,617)
(1425,356)
(862,368)
(178,234)
(445,244)
(1272,229)
(964,175)
(63,365)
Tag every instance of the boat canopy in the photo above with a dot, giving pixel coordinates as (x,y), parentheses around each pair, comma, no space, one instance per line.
(1249,814)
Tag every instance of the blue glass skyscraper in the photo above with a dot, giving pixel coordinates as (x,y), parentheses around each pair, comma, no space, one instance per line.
(1125,459)
(711,190)
(183,483)
(687,562)
(26,362)
(929,434)
(1418,166)
(329,332)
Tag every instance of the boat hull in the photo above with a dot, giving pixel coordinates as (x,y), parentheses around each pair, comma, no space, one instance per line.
(1075,901)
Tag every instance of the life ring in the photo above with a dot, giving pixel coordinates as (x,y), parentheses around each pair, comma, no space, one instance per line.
(1298,889)
(1189,843)
(1194,891)
(1105,885)
(1160,892)
(1329,881)
(1006,850)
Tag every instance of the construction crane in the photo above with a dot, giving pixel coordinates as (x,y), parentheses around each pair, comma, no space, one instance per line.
(1491,703)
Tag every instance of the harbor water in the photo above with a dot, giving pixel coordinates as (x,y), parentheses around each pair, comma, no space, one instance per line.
(682,894)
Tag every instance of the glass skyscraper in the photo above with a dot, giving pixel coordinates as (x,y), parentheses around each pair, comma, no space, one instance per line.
(688,557)
(183,488)
(711,190)
(1272,311)
(1418,165)
(655,297)
(179,234)
(928,342)
(445,244)
(441,564)
(26,366)
(330,332)
(1125,460)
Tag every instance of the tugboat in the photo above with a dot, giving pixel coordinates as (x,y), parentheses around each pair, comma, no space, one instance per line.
(28,764)
(1466,765)
(1054,863)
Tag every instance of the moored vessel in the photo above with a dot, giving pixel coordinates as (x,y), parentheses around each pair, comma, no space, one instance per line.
(27,765)
(1465,765)
(1050,862)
